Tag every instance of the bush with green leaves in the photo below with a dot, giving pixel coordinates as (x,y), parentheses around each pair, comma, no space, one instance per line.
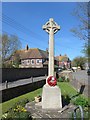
(63,79)
(60,79)
(18,112)
(22,102)
(78,115)
(80,101)
(67,80)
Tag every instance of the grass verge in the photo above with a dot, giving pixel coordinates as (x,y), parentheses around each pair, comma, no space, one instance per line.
(30,96)
(66,89)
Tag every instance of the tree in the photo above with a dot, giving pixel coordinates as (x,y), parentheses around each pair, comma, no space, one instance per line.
(82,31)
(16,59)
(79,61)
(9,45)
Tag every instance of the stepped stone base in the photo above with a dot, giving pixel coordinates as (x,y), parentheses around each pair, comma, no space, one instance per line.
(51,97)
(38,113)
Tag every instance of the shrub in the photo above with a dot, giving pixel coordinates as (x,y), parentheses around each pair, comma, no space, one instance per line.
(85,105)
(22,102)
(17,112)
(60,80)
(80,101)
(78,114)
(67,80)
(63,79)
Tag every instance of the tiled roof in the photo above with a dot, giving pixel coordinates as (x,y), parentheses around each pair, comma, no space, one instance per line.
(62,58)
(32,53)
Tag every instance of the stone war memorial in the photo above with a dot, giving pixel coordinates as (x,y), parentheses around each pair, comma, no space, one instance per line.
(51,101)
(51,94)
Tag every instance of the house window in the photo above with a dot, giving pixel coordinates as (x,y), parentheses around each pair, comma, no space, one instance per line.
(37,61)
(28,61)
(32,61)
(22,62)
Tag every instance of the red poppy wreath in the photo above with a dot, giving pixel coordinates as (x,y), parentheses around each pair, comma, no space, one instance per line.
(52,81)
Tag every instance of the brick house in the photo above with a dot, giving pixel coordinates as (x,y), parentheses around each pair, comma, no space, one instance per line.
(32,58)
(64,61)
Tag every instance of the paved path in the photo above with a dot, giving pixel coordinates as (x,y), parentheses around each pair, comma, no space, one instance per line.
(21,82)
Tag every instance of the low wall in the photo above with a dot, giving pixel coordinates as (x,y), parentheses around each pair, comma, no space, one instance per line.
(80,81)
(13,74)
(80,87)
(67,74)
(10,93)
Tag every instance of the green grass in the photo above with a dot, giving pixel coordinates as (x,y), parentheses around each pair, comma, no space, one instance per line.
(66,89)
(30,96)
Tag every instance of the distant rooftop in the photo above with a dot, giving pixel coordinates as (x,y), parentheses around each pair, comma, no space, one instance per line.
(32,53)
(62,58)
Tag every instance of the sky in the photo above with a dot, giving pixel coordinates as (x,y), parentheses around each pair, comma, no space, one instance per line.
(25,19)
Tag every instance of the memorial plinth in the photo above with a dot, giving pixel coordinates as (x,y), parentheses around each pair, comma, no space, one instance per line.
(51,94)
(51,98)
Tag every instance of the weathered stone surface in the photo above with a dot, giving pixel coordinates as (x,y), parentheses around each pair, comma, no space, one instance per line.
(51,27)
(66,74)
(40,114)
(51,97)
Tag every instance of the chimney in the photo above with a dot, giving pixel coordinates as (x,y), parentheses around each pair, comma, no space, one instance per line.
(27,47)
(65,55)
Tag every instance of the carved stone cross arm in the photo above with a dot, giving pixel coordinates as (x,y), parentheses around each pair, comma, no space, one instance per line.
(51,25)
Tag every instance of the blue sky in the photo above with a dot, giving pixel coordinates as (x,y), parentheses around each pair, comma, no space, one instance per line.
(33,15)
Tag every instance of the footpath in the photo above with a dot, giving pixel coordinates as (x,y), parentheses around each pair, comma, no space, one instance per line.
(20,82)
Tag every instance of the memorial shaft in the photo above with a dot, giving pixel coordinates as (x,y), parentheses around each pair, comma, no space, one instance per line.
(51,53)
(51,27)
(51,94)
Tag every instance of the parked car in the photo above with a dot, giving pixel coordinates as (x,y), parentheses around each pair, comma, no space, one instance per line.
(71,69)
(59,70)
(88,71)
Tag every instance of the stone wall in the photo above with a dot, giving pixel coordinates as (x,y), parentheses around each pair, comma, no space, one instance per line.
(80,82)
(10,93)
(13,74)
(77,81)
(66,74)
(80,87)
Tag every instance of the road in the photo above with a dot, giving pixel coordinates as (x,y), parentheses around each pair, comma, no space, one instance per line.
(82,76)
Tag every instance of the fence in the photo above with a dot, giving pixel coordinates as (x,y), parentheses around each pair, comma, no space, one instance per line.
(13,74)
(13,92)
